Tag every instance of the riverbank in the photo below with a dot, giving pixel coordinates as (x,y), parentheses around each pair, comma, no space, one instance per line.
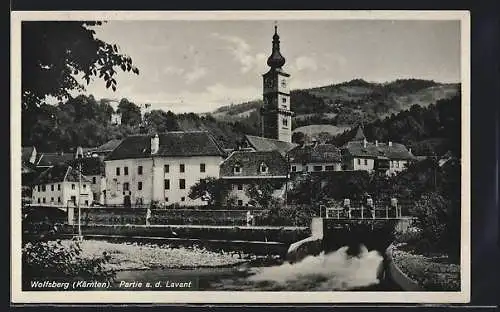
(430,272)
(134,256)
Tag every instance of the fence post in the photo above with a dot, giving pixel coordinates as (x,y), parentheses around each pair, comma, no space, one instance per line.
(362,217)
(386,212)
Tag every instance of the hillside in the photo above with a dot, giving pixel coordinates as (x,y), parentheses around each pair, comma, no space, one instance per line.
(349,103)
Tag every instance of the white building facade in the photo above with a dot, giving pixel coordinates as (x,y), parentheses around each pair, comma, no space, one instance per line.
(161,169)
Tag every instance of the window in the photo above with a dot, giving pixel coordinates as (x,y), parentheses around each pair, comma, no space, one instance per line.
(86,202)
(59,199)
(43,200)
(285,122)
(283,83)
(306,168)
(43,188)
(117,171)
(39,188)
(182,168)
(329,168)
(294,168)
(240,202)
(85,186)
(263,168)
(139,170)
(58,187)
(183,198)
(52,199)
(396,163)
(202,167)
(94,180)
(167,168)
(125,170)
(366,162)
(237,169)
(38,199)
(317,168)
(125,186)
(283,100)
(359,161)
(139,186)
(240,187)
(182,184)
(52,187)
(166,199)
(166,183)
(72,186)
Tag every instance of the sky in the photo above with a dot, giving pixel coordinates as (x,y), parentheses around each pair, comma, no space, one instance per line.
(198,66)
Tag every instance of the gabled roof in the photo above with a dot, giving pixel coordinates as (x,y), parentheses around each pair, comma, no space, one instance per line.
(396,151)
(91,166)
(108,146)
(359,136)
(250,163)
(262,144)
(172,144)
(315,153)
(52,159)
(59,173)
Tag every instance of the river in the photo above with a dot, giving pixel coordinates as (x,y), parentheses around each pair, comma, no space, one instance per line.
(333,271)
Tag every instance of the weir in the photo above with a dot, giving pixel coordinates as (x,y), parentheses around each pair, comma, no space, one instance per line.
(338,227)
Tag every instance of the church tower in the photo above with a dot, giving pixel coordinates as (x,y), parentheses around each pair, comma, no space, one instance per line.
(276,116)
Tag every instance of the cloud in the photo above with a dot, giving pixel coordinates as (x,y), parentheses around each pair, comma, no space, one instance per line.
(306,63)
(196,74)
(208,100)
(171,70)
(241,52)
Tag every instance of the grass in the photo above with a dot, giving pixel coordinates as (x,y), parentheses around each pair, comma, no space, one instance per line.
(435,272)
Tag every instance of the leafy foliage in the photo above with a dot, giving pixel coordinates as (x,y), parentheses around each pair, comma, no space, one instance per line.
(215,191)
(56,53)
(52,260)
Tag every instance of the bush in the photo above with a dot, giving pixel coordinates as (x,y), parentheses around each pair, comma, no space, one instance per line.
(439,220)
(53,260)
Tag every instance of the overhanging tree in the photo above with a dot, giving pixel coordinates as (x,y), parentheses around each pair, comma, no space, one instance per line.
(56,53)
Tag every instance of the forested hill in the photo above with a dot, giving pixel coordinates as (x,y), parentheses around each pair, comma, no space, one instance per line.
(350,102)
(85,121)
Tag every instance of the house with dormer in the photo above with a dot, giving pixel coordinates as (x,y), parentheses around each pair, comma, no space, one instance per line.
(245,168)
(385,157)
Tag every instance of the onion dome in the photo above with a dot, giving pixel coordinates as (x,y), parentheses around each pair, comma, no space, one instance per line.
(276,60)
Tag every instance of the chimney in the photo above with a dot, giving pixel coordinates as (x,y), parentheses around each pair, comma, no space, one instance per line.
(376,143)
(155,144)
(390,143)
(364,142)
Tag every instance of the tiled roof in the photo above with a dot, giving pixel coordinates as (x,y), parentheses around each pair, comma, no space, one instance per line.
(172,144)
(108,146)
(396,151)
(262,144)
(90,166)
(59,173)
(26,153)
(319,153)
(52,159)
(250,163)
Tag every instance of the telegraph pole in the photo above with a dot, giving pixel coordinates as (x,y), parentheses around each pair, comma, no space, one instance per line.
(79,196)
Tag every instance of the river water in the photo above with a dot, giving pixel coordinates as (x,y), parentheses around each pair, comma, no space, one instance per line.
(326,272)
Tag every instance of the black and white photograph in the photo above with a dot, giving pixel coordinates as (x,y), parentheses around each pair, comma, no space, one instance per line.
(271,156)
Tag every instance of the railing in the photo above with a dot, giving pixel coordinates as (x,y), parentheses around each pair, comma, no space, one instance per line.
(360,213)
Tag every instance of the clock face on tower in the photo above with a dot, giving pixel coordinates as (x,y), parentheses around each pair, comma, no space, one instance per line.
(283,83)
